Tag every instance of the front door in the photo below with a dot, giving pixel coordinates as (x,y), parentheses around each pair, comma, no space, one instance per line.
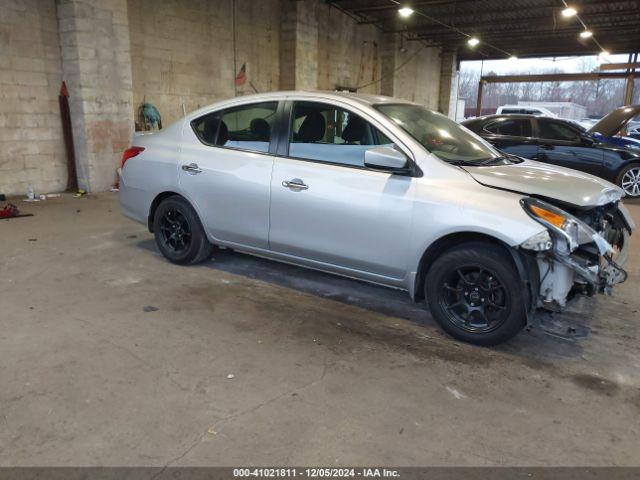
(563,145)
(327,207)
(513,135)
(225,167)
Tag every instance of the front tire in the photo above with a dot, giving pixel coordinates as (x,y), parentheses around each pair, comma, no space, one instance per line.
(474,293)
(179,233)
(629,180)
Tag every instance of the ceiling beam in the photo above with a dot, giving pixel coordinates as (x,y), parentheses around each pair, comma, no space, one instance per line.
(554,77)
(527,23)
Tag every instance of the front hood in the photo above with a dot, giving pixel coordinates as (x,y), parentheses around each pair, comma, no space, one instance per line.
(548,181)
(612,123)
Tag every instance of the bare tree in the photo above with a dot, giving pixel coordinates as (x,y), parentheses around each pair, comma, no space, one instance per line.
(599,96)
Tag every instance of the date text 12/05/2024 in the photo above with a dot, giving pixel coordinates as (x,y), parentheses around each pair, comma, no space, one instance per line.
(316,472)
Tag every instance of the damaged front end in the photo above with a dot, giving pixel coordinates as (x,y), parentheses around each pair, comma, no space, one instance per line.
(581,252)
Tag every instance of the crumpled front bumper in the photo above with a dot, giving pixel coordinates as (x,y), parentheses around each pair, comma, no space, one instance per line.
(591,268)
(610,270)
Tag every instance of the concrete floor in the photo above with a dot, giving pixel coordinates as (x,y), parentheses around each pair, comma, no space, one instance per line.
(326,370)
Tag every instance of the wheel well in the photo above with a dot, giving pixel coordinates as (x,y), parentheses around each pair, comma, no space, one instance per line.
(154,206)
(625,165)
(445,243)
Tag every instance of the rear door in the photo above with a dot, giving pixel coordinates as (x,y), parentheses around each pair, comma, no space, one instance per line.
(326,206)
(225,168)
(512,135)
(561,144)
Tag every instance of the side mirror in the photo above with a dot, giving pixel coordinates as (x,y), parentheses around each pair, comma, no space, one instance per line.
(588,140)
(386,159)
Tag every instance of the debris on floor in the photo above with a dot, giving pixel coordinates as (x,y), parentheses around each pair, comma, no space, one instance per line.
(11,211)
(150,308)
(231,376)
(561,327)
(457,394)
(80,193)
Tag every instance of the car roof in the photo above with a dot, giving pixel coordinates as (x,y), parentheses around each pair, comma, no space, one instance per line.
(364,99)
(513,115)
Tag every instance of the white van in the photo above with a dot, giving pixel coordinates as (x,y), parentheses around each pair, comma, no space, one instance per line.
(521,109)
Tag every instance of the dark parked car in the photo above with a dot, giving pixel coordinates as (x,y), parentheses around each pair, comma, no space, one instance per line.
(565,143)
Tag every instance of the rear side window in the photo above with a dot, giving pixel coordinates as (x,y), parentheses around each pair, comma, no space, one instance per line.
(248,127)
(206,128)
(551,130)
(331,134)
(509,126)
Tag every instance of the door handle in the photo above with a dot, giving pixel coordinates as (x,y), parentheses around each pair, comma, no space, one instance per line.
(192,169)
(295,184)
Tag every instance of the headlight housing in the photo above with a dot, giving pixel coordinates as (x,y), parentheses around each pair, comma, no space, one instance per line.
(566,228)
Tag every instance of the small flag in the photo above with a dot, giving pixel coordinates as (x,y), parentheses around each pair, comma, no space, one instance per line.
(241,77)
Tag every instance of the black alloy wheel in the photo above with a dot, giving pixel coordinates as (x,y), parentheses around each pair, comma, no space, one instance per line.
(179,233)
(474,298)
(175,231)
(475,293)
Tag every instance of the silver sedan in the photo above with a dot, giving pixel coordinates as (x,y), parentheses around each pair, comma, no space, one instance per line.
(385,191)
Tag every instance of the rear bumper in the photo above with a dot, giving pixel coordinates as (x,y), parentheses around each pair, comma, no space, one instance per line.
(133,201)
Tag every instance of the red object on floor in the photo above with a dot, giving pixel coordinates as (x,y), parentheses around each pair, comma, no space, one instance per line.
(9,211)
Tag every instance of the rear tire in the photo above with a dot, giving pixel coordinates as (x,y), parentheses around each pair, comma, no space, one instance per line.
(474,293)
(629,180)
(179,233)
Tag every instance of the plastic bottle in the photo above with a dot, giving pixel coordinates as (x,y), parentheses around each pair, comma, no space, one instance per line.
(30,193)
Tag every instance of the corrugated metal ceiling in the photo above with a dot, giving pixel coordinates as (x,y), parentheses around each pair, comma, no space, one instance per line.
(525,28)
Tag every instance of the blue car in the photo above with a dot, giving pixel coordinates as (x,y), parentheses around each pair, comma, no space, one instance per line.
(598,150)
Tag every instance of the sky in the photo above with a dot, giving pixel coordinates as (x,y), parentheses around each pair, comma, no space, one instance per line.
(527,65)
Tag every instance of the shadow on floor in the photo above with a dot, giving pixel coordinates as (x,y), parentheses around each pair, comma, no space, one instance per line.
(536,343)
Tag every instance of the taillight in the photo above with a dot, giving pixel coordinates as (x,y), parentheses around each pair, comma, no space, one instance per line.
(130,153)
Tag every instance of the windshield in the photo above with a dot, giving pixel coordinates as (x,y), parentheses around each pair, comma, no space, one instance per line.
(440,135)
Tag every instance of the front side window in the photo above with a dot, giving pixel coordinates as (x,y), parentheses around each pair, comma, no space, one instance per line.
(247,127)
(331,134)
(509,126)
(551,130)
(440,135)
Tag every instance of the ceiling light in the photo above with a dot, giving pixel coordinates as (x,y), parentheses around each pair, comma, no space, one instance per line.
(473,41)
(569,12)
(604,55)
(513,58)
(405,12)
(586,34)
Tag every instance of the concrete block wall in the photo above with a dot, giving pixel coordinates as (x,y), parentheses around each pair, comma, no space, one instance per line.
(178,55)
(448,94)
(96,61)
(323,48)
(418,76)
(31,144)
(349,55)
(182,52)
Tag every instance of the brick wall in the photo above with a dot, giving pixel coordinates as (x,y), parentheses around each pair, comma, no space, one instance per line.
(31,145)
